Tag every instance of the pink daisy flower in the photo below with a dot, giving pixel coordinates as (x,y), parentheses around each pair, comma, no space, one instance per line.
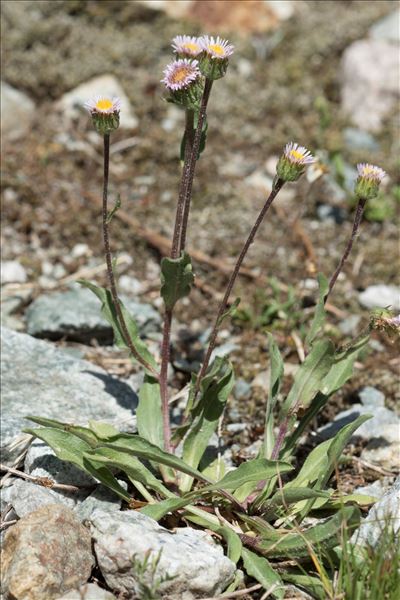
(187,44)
(298,155)
(103,106)
(216,48)
(180,73)
(370,172)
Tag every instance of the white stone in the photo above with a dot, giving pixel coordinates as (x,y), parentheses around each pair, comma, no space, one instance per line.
(12,272)
(17,112)
(71,103)
(197,566)
(283,9)
(370,88)
(387,28)
(380,296)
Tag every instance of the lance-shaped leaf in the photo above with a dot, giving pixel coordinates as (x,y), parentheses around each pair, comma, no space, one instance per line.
(312,585)
(149,413)
(276,368)
(229,312)
(110,314)
(309,377)
(321,537)
(207,414)
(84,433)
(111,213)
(320,314)
(176,279)
(259,568)
(73,449)
(258,469)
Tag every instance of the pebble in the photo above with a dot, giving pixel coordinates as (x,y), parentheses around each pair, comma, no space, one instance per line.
(369,82)
(350,325)
(380,296)
(195,564)
(387,28)
(46,554)
(357,139)
(17,113)
(89,591)
(385,513)
(12,272)
(333,214)
(241,390)
(261,380)
(71,103)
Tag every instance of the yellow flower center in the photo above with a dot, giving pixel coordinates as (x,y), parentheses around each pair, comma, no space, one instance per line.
(191,46)
(180,74)
(296,154)
(104,104)
(368,171)
(217,49)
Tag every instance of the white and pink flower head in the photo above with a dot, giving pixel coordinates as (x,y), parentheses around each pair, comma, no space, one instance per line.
(216,47)
(298,155)
(179,74)
(103,105)
(371,172)
(187,45)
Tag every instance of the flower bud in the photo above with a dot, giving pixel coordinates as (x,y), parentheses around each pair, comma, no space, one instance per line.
(105,113)
(368,181)
(293,162)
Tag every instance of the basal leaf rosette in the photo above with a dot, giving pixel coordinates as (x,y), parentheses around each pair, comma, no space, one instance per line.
(293,162)
(183,80)
(105,113)
(368,181)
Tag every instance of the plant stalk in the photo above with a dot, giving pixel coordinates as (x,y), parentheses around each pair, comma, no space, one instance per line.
(357,220)
(192,145)
(110,272)
(222,308)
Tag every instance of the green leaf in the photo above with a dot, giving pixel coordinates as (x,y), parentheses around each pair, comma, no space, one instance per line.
(258,469)
(276,367)
(110,314)
(309,377)
(159,510)
(320,314)
(73,449)
(234,542)
(149,413)
(259,568)
(312,585)
(114,209)
(103,431)
(129,465)
(320,537)
(138,446)
(176,279)
(290,495)
(208,411)
(82,432)
(229,312)
(342,368)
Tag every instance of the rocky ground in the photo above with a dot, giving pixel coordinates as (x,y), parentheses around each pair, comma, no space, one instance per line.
(311,75)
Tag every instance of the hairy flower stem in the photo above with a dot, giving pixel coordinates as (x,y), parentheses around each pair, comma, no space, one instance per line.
(222,308)
(192,145)
(110,272)
(356,224)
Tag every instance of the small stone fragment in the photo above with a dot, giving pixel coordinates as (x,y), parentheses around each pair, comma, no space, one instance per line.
(12,272)
(380,296)
(46,554)
(17,112)
(89,591)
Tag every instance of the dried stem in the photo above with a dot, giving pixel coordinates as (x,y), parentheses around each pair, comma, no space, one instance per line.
(45,481)
(110,272)
(356,224)
(192,145)
(222,308)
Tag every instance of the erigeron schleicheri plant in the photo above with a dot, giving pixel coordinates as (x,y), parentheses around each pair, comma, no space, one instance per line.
(260,507)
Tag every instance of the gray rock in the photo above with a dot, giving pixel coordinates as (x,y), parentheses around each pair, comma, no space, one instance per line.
(17,112)
(26,497)
(335,214)
(89,591)
(356,139)
(242,389)
(380,296)
(12,272)
(195,564)
(71,103)
(388,28)
(349,325)
(101,498)
(40,379)
(41,461)
(370,87)
(384,514)
(75,315)
(371,397)
(46,554)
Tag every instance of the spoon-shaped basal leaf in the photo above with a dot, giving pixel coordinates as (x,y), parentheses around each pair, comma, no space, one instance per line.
(259,568)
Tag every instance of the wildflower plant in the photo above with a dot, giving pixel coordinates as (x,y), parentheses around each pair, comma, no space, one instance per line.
(258,508)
